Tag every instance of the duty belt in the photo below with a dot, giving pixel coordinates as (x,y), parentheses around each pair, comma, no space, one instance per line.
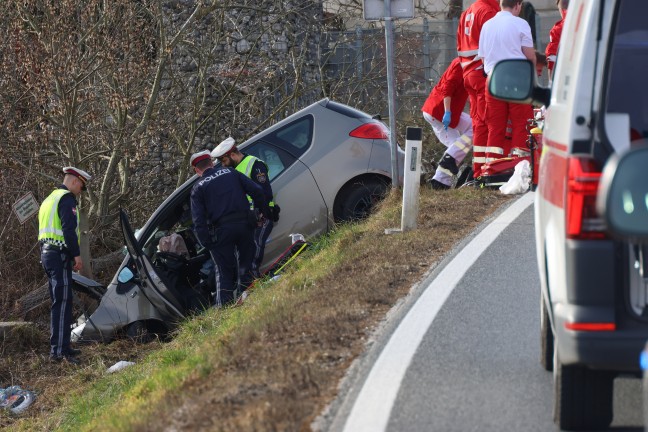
(232,217)
(51,247)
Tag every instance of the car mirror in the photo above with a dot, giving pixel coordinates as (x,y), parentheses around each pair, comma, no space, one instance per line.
(623,195)
(515,81)
(125,275)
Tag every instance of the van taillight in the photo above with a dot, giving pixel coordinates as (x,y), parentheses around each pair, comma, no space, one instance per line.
(373,130)
(583,222)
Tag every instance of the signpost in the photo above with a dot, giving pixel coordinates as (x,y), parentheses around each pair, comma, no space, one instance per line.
(387,10)
(25,207)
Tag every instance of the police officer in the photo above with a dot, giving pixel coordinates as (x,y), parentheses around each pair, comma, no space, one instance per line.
(58,235)
(221,216)
(257,170)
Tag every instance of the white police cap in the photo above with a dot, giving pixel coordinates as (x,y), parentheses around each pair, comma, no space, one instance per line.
(223,148)
(198,157)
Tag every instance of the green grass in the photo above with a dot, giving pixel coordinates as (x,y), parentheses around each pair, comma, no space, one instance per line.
(120,401)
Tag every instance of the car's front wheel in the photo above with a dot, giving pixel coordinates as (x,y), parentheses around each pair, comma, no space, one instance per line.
(357,199)
(582,397)
(139,332)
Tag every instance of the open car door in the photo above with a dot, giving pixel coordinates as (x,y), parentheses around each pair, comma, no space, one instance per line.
(152,285)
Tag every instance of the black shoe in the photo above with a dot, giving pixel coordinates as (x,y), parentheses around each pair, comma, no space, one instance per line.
(437,185)
(66,358)
(449,163)
(73,351)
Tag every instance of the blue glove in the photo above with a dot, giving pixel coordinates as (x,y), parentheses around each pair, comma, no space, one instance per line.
(446,119)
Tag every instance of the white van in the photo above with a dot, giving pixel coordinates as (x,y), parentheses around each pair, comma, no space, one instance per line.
(594,299)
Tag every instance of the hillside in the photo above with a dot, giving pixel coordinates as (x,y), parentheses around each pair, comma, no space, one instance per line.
(272,364)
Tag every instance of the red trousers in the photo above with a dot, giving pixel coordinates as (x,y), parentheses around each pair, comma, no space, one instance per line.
(475,84)
(498,113)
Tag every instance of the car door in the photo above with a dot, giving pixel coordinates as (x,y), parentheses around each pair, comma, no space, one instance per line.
(150,282)
(295,190)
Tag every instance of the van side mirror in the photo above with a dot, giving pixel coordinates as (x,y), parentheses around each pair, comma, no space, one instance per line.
(623,195)
(515,81)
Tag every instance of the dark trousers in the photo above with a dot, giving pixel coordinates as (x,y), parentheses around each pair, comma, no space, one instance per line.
(58,267)
(261,234)
(233,251)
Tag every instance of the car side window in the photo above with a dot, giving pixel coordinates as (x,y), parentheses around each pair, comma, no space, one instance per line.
(627,93)
(276,159)
(295,138)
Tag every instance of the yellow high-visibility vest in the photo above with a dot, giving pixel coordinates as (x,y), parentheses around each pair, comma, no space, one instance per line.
(50,228)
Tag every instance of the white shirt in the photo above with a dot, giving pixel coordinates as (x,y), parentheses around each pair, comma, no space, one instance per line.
(502,37)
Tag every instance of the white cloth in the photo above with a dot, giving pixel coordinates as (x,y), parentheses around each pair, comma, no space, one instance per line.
(519,181)
(502,37)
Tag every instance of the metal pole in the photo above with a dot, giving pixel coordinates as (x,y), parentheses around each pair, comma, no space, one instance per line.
(426,53)
(391,99)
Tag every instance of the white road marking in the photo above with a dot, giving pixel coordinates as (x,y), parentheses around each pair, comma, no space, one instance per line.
(372,409)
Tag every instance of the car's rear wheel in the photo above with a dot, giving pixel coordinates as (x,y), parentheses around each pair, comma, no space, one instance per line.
(546,338)
(357,199)
(582,397)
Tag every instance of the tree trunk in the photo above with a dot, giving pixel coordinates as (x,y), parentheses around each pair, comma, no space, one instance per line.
(85,246)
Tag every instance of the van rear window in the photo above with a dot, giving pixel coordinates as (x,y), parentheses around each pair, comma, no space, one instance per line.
(627,90)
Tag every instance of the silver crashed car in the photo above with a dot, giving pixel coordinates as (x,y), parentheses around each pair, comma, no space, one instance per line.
(327,163)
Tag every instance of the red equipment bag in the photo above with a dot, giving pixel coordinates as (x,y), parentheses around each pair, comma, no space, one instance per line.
(498,172)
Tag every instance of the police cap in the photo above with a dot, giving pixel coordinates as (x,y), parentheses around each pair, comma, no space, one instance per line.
(223,148)
(199,157)
(78,173)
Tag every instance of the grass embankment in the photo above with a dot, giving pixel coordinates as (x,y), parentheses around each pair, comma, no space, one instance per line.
(275,362)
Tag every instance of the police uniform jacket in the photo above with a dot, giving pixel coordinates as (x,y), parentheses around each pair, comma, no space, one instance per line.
(260,176)
(67,212)
(221,193)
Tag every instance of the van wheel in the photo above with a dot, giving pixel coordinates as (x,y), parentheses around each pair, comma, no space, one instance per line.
(582,397)
(357,200)
(546,338)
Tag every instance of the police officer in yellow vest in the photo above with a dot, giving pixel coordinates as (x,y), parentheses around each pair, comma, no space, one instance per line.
(58,235)
(257,170)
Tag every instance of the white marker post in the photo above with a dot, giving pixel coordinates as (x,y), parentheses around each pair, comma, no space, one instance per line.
(411,180)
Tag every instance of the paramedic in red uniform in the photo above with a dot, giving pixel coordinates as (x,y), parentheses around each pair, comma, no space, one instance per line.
(506,36)
(468,32)
(443,109)
(554,37)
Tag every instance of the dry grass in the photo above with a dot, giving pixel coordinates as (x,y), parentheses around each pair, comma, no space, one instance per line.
(280,363)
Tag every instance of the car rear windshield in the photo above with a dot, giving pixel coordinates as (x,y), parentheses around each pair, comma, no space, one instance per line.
(346,110)
(626,110)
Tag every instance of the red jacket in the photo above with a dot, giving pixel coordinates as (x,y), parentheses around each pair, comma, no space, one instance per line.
(450,84)
(470,25)
(552,47)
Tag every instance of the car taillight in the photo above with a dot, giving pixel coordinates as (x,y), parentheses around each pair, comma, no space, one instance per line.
(373,130)
(583,222)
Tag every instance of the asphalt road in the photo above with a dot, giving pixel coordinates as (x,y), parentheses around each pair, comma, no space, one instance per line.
(475,366)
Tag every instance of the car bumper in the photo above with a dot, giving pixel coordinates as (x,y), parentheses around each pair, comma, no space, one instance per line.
(616,350)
